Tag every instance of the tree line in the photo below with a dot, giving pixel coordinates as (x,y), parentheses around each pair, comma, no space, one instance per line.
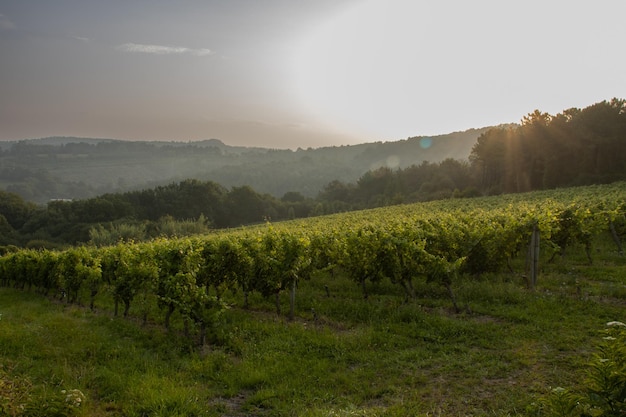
(192,206)
(575,147)
(179,209)
(78,168)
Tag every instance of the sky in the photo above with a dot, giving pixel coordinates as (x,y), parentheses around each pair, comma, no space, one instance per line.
(299,73)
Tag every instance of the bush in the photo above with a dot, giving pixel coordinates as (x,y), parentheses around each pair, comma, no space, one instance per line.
(604,393)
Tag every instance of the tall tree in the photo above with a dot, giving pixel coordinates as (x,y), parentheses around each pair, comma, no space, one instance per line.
(15,210)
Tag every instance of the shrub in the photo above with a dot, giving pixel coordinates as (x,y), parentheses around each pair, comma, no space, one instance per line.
(604,393)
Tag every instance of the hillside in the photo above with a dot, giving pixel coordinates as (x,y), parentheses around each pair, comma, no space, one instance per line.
(69,168)
(498,347)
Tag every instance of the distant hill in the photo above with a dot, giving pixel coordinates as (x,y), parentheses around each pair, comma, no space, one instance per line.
(68,167)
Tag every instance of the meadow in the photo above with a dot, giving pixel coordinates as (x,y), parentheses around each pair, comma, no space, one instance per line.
(497,348)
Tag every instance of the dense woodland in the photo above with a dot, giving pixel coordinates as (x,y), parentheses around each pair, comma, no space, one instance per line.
(575,147)
(40,170)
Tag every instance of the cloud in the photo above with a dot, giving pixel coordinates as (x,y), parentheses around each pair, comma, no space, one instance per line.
(162,50)
(5,23)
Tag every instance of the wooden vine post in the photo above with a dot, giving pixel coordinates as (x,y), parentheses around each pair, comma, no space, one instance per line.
(616,238)
(533,257)
(292,301)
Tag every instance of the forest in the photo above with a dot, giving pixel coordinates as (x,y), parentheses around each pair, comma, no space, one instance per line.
(40,170)
(575,147)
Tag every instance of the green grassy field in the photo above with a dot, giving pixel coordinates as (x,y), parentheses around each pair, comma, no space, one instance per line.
(341,356)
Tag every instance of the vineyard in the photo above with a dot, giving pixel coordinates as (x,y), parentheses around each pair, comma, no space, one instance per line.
(186,285)
(434,241)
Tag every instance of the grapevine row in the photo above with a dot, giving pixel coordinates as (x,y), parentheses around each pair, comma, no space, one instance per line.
(434,241)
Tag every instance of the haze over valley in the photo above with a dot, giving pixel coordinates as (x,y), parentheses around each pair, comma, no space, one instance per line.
(287,75)
(70,168)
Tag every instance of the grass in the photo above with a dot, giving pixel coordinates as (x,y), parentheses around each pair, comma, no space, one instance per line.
(350,357)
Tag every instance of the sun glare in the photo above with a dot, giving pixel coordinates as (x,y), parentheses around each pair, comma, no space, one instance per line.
(393,69)
(390,69)
(359,63)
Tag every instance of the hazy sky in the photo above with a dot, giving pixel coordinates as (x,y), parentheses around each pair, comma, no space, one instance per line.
(289,73)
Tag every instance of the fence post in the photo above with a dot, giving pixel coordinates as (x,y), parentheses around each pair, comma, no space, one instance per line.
(533,255)
(292,301)
(616,238)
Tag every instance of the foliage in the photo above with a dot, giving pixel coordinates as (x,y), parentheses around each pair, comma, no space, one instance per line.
(41,170)
(607,376)
(574,147)
(604,393)
(577,146)
(380,357)
(100,235)
(18,398)
(435,242)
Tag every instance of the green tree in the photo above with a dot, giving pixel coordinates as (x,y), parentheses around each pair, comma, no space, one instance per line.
(15,210)
(489,158)
(245,206)
(8,235)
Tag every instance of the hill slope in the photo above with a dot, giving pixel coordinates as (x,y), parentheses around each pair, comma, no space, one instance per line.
(341,355)
(70,168)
